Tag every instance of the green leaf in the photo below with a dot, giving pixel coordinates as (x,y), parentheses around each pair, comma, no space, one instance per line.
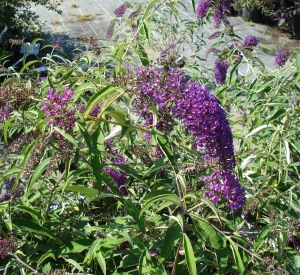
(9,173)
(257,130)
(237,257)
(287,152)
(36,215)
(97,97)
(76,246)
(66,75)
(193,4)
(298,62)
(147,29)
(74,264)
(38,171)
(32,227)
(247,161)
(119,116)
(149,7)
(172,237)
(261,238)
(142,55)
(136,214)
(45,257)
(143,266)
(87,191)
(222,257)
(5,129)
(66,136)
(164,144)
(109,182)
(206,231)
(159,195)
(95,154)
(101,261)
(86,86)
(189,255)
(128,171)
(4,205)
(297,257)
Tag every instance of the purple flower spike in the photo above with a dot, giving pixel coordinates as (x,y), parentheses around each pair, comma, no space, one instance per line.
(5,113)
(221,67)
(118,176)
(189,102)
(218,16)
(203,8)
(226,4)
(222,185)
(282,57)
(119,12)
(251,41)
(57,108)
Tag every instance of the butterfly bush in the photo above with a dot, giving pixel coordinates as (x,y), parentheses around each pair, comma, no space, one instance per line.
(188,101)
(5,247)
(119,12)
(251,41)
(58,109)
(118,176)
(220,9)
(220,70)
(223,186)
(282,57)
(5,113)
(202,8)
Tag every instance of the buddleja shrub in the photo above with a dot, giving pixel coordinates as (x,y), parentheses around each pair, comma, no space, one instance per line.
(133,170)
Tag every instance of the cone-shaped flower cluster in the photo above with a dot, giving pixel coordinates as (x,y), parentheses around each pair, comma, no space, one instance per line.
(251,41)
(57,108)
(190,103)
(203,7)
(221,8)
(221,67)
(282,57)
(223,186)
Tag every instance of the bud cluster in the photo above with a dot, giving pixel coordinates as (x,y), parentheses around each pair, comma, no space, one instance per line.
(5,247)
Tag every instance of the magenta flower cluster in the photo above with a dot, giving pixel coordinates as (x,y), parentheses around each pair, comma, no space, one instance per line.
(221,8)
(116,158)
(190,103)
(119,12)
(251,41)
(58,109)
(282,57)
(224,187)
(202,8)
(220,70)
(5,113)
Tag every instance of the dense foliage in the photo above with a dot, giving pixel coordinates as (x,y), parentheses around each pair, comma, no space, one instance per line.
(117,164)
(18,13)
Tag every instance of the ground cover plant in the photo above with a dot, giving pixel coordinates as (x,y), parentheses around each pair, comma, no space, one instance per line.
(124,162)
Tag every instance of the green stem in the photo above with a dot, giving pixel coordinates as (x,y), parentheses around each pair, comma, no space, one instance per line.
(51,196)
